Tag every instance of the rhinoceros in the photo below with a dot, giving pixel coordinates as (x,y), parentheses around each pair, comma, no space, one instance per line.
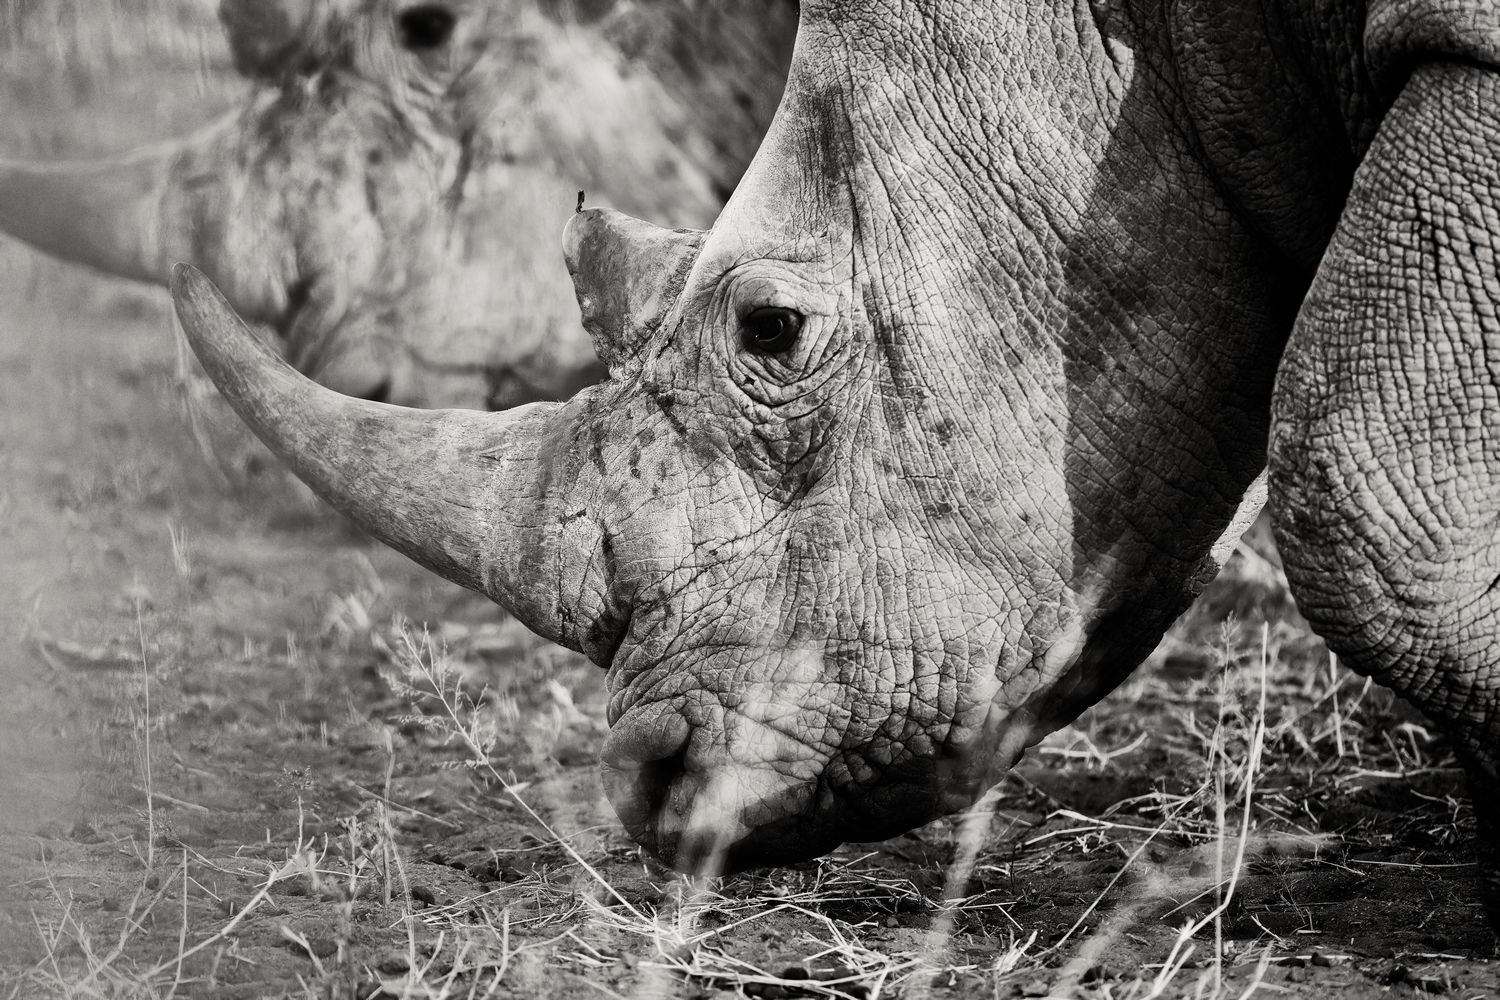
(385,197)
(916,453)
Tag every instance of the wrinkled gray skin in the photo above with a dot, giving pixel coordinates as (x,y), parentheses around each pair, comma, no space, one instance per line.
(1050,256)
(388,198)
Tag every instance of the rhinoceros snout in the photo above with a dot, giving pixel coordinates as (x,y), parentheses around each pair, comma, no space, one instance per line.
(686,798)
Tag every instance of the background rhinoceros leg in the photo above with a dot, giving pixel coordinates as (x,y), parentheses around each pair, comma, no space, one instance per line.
(1385,450)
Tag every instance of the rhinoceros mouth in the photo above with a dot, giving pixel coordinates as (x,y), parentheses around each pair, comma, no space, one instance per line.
(786,768)
(775,845)
(681,795)
(697,824)
(698,807)
(683,832)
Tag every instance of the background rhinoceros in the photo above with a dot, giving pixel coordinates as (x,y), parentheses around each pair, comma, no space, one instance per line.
(386,193)
(916,454)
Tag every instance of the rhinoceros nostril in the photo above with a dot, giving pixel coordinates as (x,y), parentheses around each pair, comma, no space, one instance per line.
(643,759)
(380,392)
(426,26)
(645,738)
(655,781)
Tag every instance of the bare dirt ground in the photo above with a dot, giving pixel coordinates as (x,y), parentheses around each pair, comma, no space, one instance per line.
(245,752)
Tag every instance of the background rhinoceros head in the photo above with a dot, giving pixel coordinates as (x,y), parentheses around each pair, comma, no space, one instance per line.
(387,196)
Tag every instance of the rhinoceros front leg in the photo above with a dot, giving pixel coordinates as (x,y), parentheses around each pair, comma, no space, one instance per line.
(1385,448)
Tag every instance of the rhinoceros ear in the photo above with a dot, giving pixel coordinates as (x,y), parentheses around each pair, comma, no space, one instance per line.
(626,274)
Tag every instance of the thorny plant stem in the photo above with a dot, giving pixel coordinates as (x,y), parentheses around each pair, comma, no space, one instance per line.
(1333,688)
(140,631)
(222,932)
(387,835)
(182,929)
(1183,947)
(483,760)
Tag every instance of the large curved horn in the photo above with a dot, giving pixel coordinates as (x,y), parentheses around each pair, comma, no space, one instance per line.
(468,494)
(106,214)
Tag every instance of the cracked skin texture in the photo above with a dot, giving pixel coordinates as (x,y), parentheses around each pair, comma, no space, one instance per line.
(1047,259)
(1386,450)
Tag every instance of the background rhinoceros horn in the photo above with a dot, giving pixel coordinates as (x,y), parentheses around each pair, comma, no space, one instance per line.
(455,490)
(104,214)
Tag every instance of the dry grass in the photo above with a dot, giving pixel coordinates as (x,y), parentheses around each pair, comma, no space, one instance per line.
(1255,742)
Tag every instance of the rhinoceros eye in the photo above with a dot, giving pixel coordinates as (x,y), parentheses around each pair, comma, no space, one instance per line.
(771,329)
(425,26)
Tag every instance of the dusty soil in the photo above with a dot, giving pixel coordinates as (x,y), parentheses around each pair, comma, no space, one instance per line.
(249,753)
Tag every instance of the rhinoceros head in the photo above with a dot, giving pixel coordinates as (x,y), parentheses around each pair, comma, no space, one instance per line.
(907,461)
